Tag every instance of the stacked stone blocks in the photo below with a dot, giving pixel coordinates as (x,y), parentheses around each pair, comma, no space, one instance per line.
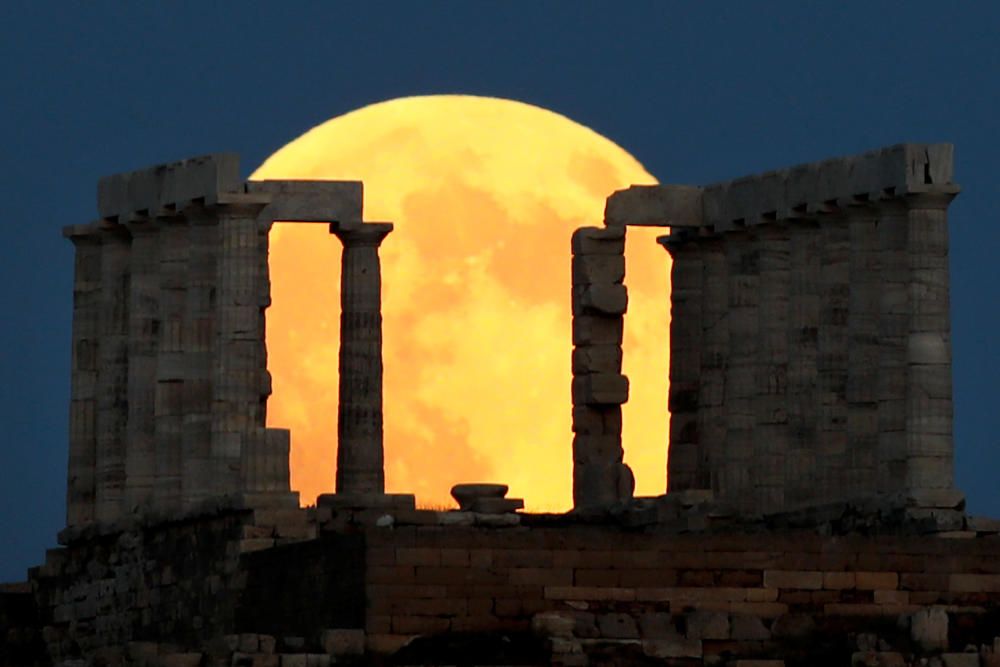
(599,298)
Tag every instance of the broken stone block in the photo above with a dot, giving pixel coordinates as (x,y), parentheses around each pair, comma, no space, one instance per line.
(706,625)
(597,420)
(600,299)
(465,494)
(617,626)
(496,505)
(553,624)
(601,269)
(929,628)
(597,330)
(600,389)
(748,628)
(598,241)
(597,359)
(343,641)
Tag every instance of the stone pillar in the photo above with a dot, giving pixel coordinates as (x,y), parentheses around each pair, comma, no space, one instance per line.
(360,467)
(687,465)
(862,352)
(894,325)
(198,470)
(87,322)
(712,421)
(599,300)
(237,417)
(801,466)
(832,356)
(929,412)
(143,346)
(743,258)
(771,437)
(112,376)
(171,365)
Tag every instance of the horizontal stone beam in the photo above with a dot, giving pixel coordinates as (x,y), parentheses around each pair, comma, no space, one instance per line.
(311,201)
(655,206)
(168,188)
(802,191)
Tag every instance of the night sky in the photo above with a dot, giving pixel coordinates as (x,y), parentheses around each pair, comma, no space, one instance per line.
(697,92)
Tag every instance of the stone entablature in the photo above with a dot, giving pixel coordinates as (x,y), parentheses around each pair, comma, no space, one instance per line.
(169,368)
(810,349)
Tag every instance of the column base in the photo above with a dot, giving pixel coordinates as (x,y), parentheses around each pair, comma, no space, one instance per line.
(361,501)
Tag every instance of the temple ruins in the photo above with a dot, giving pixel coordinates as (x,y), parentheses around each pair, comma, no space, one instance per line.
(811,516)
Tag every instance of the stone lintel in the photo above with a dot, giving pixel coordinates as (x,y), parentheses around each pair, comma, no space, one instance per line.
(166,188)
(655,206)
(311,201)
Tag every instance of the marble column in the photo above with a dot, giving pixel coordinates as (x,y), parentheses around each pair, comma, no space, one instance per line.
(143,346)
(714,358)
(360,465)
(112,376)
(81,476)
(687,466)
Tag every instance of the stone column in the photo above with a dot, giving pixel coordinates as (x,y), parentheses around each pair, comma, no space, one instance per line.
(771,437)
(237,415)
(197,471)
(894,325)
(743,258)
(143,346)
(171,365)
(360,466)
(929,412)
(112,376)
(801,467)
(599,301)
(862,352)
(832,356)
(687,465)
(80,491)
(714,357)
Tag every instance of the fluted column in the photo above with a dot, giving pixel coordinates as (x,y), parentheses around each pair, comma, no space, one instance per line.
(112,376)
(81,476)
(360,468)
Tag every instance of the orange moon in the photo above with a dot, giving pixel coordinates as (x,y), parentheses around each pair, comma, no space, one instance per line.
(484,194)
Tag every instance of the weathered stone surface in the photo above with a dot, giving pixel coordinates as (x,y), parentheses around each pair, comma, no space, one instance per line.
(929,628)
(706,625)
(343,642)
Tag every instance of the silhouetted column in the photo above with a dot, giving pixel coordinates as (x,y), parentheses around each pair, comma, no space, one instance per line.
(143,345)
(360,468)
(112,376)
(801,473)
(687,466)
(714,357)
(771,436)
(862,352)
(81,476)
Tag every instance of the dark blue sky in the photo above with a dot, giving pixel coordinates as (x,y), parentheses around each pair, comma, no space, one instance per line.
(698,92)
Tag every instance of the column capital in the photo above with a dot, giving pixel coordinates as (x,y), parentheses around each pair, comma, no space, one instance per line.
(361,234)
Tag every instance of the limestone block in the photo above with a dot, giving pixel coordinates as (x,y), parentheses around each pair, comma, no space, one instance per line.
(553,624)
(655,206)
(706,625)
(748,628)
(657,625)
(672,648)
(597,330)
(600,299)
(928,348)
(929,628)
(600,388)
(310,201)
(600,269)
(598,241)
(617,626)
(960,659)
(343,642)
(597,448)
(597,359)
(597,420)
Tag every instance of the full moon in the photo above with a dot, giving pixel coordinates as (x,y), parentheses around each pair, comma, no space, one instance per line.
(484,194)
